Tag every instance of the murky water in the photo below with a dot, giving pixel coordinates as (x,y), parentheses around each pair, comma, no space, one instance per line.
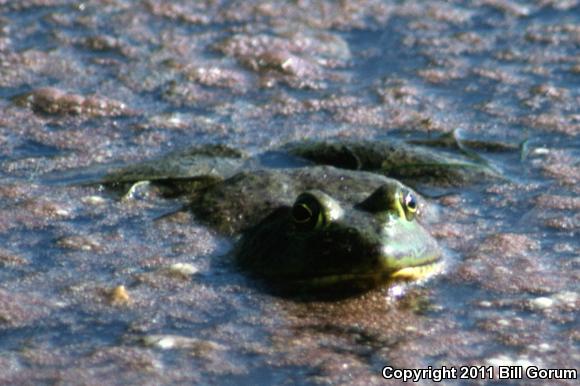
(109,82)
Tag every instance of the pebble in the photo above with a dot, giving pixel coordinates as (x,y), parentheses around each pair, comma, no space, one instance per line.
(94,200)
(184,269)
(119,296)
(541,303)
(167,342)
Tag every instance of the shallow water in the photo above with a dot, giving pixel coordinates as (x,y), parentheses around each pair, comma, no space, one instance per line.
(131,80)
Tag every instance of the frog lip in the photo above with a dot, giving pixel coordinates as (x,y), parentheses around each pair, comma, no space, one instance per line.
(425,266)
(344,285)
(420,271)
(394,259)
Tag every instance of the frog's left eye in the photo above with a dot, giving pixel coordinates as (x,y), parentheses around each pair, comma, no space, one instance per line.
(301,213)
(409,202)
(307,212)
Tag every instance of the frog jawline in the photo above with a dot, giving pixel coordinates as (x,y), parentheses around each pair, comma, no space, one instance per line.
(419,272)
(357,280)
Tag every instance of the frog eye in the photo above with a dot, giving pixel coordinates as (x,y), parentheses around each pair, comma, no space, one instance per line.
(409,202)
(307,212)
(301,213)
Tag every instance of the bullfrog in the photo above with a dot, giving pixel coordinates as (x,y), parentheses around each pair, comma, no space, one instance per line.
(364,231)
(330,217)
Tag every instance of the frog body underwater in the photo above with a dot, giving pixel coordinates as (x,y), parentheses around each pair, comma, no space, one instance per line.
(310,225)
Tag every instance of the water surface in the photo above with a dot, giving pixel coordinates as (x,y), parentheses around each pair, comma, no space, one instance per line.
(145,77)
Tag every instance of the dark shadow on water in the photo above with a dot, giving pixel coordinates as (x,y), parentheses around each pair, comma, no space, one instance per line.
(225,271)
(280,160)
(306,295)
(34,149)
(292,290)
(85,331)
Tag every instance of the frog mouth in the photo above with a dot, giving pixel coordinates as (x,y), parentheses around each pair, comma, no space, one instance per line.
(357,280)
(419,272)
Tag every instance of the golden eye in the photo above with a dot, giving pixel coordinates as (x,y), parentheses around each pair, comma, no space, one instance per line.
(409,203)
(307,212)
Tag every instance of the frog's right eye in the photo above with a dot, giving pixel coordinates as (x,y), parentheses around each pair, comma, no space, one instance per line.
(307,212)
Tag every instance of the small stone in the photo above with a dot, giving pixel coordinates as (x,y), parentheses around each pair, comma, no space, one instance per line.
(62,212)
(166,342)
(119,296)
(94,200)
(485,304)
(503,322)
(545,347)
(183,269)
(541,303)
